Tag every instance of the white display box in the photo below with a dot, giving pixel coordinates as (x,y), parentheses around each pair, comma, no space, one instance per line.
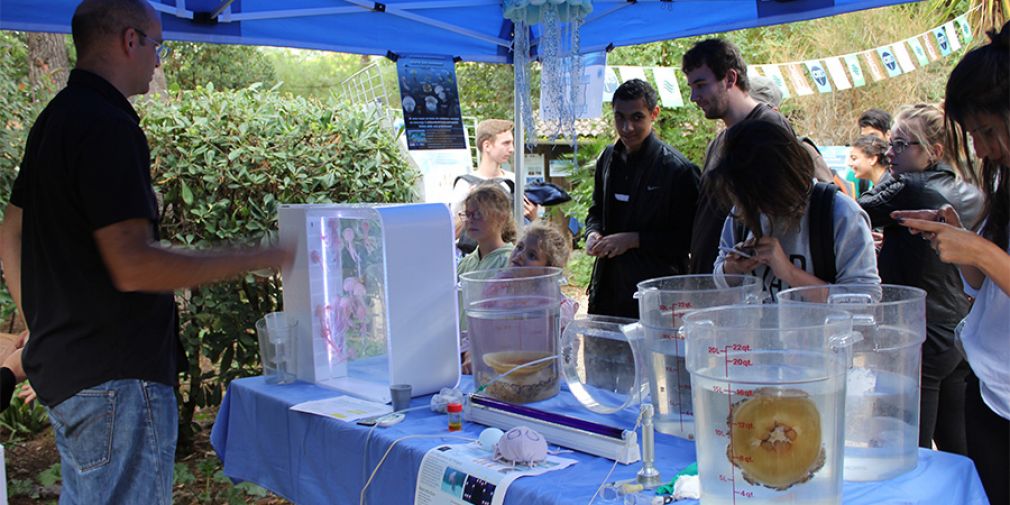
(373,288)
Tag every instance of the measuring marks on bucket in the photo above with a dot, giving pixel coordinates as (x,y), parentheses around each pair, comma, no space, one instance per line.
(734,357)
(670,381)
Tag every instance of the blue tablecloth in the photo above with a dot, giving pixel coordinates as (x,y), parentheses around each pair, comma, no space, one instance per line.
(311,459)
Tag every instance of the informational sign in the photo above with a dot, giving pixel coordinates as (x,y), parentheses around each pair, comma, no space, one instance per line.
(469,475)
(430,101)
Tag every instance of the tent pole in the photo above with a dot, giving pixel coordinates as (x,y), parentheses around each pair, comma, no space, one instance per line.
(519,168)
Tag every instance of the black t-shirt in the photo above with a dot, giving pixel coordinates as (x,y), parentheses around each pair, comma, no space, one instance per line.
(87,166)
(711,214)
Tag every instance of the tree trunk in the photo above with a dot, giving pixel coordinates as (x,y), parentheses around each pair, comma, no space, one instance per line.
(48,65)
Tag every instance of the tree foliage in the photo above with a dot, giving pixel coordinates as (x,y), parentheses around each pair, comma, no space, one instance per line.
(194,64)
(313,74)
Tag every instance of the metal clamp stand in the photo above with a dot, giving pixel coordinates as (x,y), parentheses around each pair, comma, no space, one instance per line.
(648,476)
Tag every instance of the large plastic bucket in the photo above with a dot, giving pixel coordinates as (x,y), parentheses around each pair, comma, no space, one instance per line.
(513,318)
(662,304)
(882,397)
(769,402)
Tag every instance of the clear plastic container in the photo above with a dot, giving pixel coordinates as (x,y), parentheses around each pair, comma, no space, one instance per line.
(769,401)
(513,318)
(276,334)
(662,304)
(602,362)
(882,396)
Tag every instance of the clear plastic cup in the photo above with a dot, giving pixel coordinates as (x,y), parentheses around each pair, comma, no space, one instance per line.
(277,333)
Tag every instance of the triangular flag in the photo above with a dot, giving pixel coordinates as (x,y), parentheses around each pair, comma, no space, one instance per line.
(837,72)
(918,51)
(955,44)
(941,40)
(876,71)
(852,63)
(629,73)
(610,83)
(668,87)
(798,79)
(928,44)
(889,60)
(903,58)
(965,27)
(772,72)
(752,71)
(819,75)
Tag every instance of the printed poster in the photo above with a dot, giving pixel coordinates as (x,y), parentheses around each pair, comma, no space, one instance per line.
(965,28)
(876,72)
(772,72)
(610,83)
(941,40)
(798,79)
(629,73)
(668,87)
(927,44)
(430,101)
(819,75)
(890,61)
(903,58)
(918,51)
(955,44)
(852,63)
(466,474)
(837,72)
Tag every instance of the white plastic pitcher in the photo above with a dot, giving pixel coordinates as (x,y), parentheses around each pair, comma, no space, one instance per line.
(769,402)
(513,318)
(662,303)
(882,396)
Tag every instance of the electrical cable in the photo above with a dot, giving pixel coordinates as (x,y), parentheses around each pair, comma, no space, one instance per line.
(638,422)
(389,449)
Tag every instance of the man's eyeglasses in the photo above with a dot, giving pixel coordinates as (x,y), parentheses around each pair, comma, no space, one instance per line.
(899,145)
(471,216)
(160,48)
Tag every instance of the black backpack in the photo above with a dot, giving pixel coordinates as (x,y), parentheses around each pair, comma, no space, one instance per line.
(822,231)
(464,243)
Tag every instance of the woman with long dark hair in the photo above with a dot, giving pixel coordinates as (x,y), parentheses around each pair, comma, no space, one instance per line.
(978,105)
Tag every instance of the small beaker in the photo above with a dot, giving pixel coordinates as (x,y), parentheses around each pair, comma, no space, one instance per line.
(276,333)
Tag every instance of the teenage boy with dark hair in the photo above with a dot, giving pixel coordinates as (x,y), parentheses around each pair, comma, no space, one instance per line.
(875,122)
(639,225)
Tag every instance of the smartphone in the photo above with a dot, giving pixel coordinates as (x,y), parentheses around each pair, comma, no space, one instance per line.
(743,253)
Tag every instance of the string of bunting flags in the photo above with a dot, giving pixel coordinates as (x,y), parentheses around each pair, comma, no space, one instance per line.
(822,75)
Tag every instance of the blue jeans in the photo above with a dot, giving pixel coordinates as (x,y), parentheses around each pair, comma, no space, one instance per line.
(117,443)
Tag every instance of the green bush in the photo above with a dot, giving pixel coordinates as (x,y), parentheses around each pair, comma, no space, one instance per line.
(222,161)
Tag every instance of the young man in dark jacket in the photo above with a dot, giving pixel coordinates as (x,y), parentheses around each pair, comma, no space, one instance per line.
(639,226)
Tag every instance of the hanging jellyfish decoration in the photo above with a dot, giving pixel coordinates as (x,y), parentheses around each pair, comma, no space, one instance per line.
(558,48)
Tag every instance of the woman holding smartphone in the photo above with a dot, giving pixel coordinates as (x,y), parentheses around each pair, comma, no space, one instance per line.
(768,178)
(977,104)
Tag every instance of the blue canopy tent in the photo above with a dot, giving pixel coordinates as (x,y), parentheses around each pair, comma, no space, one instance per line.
(472,30)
